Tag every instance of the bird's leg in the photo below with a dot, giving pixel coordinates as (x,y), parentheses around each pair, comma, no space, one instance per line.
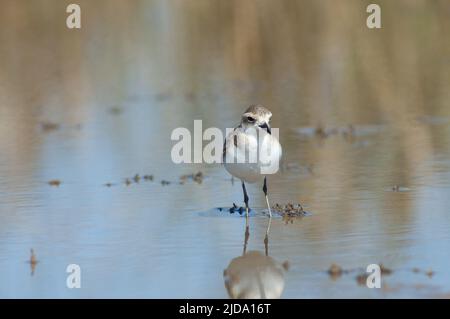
(245,199)
(266,239)
(267,198)
(246,237)
(247,232)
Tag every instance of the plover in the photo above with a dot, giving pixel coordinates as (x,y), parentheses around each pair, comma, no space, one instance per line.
(250,148)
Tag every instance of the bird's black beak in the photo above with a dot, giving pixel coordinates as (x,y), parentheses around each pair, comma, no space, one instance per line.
(267,127)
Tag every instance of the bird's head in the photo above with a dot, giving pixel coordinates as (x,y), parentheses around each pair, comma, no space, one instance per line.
(257,115)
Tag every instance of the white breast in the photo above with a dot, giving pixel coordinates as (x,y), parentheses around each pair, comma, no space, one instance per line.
(251,153)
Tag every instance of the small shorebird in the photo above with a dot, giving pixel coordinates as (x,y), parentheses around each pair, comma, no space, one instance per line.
(252,136)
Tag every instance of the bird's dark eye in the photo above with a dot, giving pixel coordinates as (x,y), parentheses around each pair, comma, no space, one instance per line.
(250,119)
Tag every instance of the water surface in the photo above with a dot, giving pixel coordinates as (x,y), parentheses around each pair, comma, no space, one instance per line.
(364,121)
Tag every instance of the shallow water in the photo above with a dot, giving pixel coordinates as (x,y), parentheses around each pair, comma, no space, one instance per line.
(365,131)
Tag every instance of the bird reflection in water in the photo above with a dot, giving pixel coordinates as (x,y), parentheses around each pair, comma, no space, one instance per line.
(255,275)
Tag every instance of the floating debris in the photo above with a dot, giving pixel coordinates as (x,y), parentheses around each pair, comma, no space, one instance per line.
(290,210)
(164,182)
(54,182)
(128,182)
(321,132)
(236,208)
(295,167)
(148,178)
(397,188)
(136,178)
(233,209)
(116,110)
(335,271)
(362,279)
(384,270)
(49,126)
(429,273)
(32,261)
(348,133)
(198,178)
(108,184)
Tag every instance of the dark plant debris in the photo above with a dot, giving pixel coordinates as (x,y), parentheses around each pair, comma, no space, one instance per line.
(361,279)
(349,132)
(289,210)
(295,167)
(384,270)
(116,110)
(197,177)
(335,271)
(137,178)
(54,182)
(50,126)
(32,261)
(236,208)
(148,178)
(398,188)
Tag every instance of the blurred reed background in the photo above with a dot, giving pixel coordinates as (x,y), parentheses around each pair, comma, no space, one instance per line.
(311,62)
